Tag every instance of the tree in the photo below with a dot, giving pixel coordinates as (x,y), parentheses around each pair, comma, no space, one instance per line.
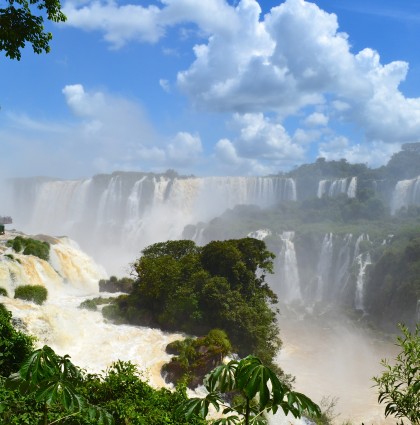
(182,287)
(52,380)
(399,384)
(22,21)
(256,389)
(15,346)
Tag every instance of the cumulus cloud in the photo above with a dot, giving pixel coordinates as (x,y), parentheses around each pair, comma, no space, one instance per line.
(283,62)
(316,119)
(262,146)
(291,59)
(374,155)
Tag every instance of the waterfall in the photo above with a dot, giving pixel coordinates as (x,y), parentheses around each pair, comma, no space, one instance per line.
(343,261)
(67,266)
(362,260)
(335,187)
(324,267)
(260,234)
(406,192)
(289,275)
(71,277)
(126,212)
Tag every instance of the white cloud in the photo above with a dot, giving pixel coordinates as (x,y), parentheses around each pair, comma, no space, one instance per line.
(107,133)
(230,163)
(165,85)
(120,24)
(374,155)
(316,119)
(292,58)
(261,147)
(184,149)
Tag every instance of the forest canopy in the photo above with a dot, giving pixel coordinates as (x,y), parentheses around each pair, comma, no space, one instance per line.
(182,287)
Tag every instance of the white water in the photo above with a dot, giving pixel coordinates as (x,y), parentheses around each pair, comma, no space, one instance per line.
(362,260)
(92,343)
(337,359)
(327,358)
(126,212)
(406,192)
(288,273)
(72,277)
(332,188)
(324,267)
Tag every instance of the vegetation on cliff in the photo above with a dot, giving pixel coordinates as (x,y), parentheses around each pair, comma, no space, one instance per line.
(183,287)
(29,246)
(195,357)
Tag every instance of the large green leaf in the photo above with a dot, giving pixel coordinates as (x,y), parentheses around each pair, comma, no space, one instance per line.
(253,378)
(222,378)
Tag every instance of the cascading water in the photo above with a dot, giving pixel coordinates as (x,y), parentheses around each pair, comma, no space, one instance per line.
(72,277)
(324,267)
(406,192)
(288,274)
(125,212)
(362,260)
(332,188)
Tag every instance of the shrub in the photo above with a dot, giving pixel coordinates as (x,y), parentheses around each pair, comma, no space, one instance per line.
(399,384)
(94,302)
(35,293)
(15,346)
(3,292)
(30,246)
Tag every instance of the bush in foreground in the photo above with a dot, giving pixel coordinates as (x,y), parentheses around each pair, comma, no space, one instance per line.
(35,293)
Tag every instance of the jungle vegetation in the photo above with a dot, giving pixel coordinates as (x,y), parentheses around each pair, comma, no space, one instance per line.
(180,286)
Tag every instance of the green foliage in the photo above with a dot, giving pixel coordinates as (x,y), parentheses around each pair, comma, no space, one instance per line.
(14,345)
(131,400)
(195,357)
(399,384)
(3,292)
(186,288)
(257,390)
(94,302)
(28,246)
(51,381)
(35,293)
(113,284)
(22,22)
(394,282)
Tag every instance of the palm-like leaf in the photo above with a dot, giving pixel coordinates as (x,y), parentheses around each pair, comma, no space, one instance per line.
(222,378)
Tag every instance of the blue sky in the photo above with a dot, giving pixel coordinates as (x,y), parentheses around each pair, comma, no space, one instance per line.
(213,87)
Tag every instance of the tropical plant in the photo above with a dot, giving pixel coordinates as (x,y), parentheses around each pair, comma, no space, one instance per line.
(256,390)
(399,384)
(21,21)
(35,293)
(29,246)
(183,287)
(15,346)
(52,381)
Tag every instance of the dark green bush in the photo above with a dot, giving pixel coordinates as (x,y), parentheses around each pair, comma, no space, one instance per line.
(35,293)
(29,246)
(3,292)
(14,345)
(94,302)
